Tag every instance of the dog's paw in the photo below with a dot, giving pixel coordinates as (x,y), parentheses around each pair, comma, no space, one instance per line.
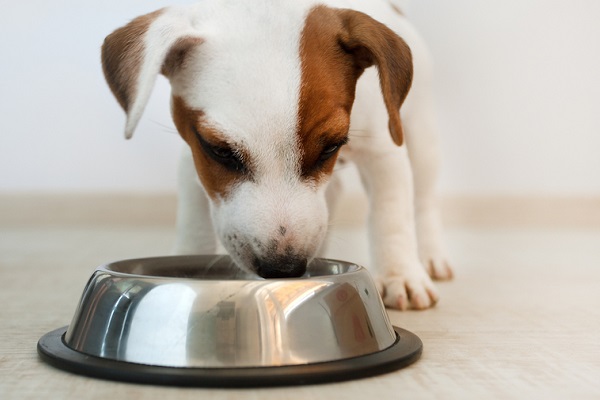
(413,290)
(438,268)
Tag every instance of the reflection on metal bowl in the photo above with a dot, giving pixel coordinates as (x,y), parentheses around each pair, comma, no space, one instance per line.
(202,313)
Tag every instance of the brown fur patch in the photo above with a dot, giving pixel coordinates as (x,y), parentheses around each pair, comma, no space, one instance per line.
(336,46)
(216,179)
(373,43)
(327,92)
(178,53)
(122,56)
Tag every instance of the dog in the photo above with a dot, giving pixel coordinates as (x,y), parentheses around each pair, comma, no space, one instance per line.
(269,95)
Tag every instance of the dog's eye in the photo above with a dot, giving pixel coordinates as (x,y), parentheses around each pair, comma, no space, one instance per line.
(222,152)
(330,150)
(328,153)
(225,156)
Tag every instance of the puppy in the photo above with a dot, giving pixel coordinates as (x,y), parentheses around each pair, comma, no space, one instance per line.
(268,95)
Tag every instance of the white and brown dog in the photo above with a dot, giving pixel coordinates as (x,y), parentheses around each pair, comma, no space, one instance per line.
(267,94)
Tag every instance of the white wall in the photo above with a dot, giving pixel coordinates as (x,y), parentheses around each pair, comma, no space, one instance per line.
(518,91)
(61,129)
(518,88)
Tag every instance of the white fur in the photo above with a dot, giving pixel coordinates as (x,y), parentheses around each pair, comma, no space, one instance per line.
(162,34)
(250,92)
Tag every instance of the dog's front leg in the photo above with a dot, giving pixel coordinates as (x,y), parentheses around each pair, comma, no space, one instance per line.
(195,233)
(387,178)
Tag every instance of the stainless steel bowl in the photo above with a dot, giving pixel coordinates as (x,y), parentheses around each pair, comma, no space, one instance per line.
(201,313)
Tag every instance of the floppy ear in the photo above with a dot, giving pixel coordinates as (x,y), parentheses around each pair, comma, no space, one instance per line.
(133,56)
(372,43)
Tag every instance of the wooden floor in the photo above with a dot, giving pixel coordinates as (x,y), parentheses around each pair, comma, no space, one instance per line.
(521,320)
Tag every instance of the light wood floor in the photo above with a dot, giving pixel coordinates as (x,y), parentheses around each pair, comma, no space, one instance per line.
(521,320)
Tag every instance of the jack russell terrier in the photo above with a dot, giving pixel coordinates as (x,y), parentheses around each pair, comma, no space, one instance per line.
(268,94)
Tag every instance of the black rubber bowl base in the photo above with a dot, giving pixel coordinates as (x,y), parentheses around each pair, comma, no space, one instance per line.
(405,351)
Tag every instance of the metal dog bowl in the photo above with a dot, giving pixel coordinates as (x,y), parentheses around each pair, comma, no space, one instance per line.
(200,321)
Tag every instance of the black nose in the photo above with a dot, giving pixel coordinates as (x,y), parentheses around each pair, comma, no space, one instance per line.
(281,267)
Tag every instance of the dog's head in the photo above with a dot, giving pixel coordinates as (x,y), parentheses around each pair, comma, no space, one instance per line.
(263,98)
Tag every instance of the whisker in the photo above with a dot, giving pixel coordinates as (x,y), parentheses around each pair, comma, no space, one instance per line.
(166,128)
(213,263)
(343,166)
(367,134)
(357,130)
(363,136)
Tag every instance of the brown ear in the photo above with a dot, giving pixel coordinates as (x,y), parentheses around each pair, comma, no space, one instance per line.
(123,55)
(372,43)
(133,56)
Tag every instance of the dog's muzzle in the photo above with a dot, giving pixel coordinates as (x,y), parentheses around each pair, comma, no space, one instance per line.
(281,266)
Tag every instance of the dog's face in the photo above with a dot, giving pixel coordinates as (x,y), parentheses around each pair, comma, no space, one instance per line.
(263,99)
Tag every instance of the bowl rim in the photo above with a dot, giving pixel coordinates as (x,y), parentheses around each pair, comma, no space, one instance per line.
(240,275)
